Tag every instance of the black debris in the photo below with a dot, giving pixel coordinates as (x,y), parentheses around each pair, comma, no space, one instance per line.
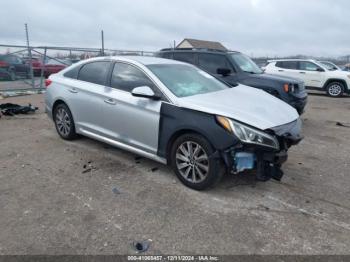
(138,158)
(10,109)
(141,246)
(342,124)
(154,169)
(86,170)
(137,162)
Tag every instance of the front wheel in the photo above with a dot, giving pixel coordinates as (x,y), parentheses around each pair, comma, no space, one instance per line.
(193,162)
(335,89)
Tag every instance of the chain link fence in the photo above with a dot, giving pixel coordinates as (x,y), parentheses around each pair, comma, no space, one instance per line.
(23,69)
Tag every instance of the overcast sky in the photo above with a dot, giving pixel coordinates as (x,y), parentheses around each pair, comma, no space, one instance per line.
(255,27)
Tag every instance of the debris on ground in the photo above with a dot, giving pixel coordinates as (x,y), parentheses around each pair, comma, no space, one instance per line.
(342,124)
(20,93)
(142,246)
(115,191)
(137,159)
(154,169)
(9,109)
(88,167)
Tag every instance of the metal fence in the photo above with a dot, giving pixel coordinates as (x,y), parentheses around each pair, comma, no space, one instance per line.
(24,68)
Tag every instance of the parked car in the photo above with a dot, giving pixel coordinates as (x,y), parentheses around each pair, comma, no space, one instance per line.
(37,65)
(346,68)
(176,114)
(53,66)
(314,74)
(11,67)
(235,67)
(330,66)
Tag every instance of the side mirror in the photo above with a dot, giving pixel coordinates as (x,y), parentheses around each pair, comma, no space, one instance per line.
(319,69)
(223,71)
(144,91)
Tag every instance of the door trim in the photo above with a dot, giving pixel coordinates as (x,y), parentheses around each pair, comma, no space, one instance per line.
(123,146)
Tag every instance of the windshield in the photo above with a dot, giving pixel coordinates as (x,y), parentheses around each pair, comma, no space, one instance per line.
(246,64)
(186,80)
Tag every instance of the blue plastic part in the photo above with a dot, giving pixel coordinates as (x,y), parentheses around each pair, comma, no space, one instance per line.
(244,161)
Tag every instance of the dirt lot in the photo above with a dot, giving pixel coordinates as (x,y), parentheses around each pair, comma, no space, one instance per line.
(50,205)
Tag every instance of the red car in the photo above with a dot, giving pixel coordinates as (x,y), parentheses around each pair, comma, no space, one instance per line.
(36,64)
(54,66)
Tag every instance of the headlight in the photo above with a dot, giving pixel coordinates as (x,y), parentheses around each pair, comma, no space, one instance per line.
(247,134)
(288,88)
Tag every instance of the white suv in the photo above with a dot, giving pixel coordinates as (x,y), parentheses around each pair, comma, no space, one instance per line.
(313,73)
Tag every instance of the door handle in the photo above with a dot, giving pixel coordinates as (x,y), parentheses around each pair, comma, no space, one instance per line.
(280,70)
(110,101)
(73,90)
(302,73)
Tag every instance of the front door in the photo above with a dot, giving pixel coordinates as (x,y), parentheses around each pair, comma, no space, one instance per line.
(313,75)
(128,119)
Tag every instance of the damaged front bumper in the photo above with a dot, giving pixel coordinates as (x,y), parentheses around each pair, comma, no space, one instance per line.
(265,161)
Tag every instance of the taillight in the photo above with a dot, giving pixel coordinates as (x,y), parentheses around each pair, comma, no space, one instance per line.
(3,64)
(48,82)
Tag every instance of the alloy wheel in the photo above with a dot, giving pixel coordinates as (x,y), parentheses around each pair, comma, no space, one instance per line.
(335,89)
(192,162)
(63,122)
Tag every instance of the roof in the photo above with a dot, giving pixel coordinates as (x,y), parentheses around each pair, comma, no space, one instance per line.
(145,60)
(204,44)
(293,59)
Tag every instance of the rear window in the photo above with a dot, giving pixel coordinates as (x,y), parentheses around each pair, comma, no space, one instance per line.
(73,73)
(94,72)
(211,62)
(166,55)
(184,57)
(287,64)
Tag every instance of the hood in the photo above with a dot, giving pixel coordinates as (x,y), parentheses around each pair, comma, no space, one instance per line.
(245,104)
(339,74)
(279,78)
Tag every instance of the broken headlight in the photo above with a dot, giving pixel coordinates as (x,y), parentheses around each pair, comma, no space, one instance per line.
(248,134)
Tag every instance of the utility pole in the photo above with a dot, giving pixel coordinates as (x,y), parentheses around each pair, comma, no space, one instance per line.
(30,56)
(103,43)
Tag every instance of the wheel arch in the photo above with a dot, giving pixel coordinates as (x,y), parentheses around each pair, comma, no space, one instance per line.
(56,103)
(178,134)
(331,80)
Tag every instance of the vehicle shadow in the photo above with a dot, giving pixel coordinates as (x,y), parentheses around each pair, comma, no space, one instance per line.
(325,95)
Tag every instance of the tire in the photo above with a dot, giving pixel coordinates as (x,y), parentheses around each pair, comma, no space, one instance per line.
(192,164)
(335,89)
(64,122)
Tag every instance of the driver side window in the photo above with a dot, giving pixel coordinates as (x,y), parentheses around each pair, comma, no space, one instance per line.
(308,66)
(126,77)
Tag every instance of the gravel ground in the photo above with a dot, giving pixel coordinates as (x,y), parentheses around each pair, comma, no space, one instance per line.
(85,197)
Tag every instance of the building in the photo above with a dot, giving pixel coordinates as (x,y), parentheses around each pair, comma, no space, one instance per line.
(194,43)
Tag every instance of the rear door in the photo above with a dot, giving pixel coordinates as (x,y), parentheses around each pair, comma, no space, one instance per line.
(131,120)
(85,95)
(287,68)
(313,74)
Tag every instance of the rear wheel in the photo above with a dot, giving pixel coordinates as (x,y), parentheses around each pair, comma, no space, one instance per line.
(192,162)
(335,89)
(64,122)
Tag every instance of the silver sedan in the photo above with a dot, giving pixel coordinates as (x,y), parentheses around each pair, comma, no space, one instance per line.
(176,114)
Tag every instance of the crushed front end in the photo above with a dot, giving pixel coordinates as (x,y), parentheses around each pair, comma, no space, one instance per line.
(262,151)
